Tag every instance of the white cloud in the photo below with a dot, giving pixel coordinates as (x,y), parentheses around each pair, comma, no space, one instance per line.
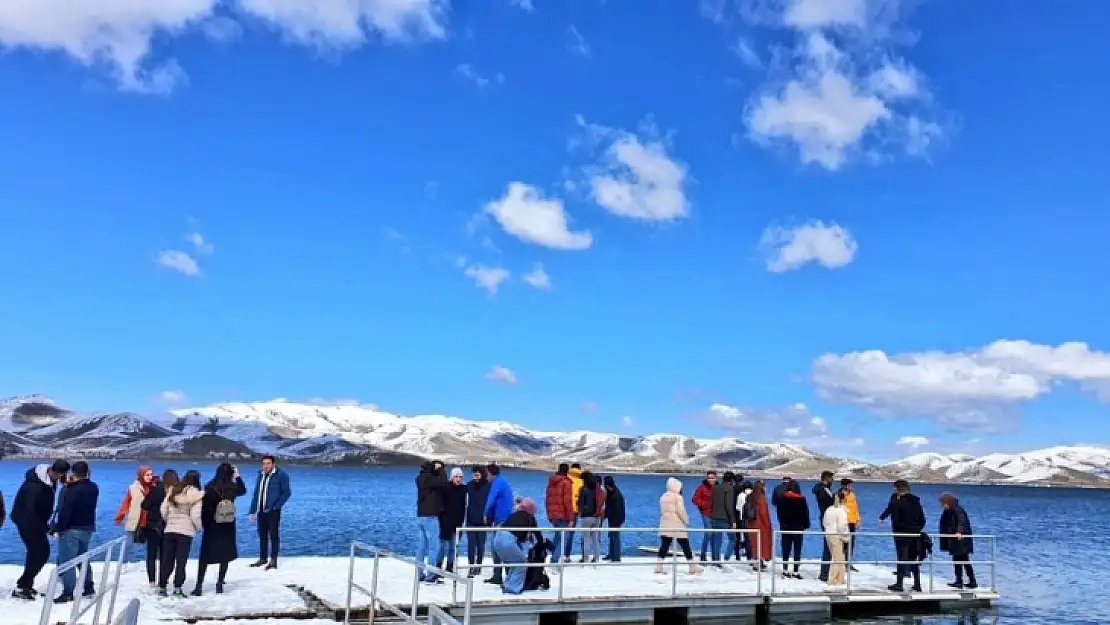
(488,278)
(636,177)
(178,261)
(786,249)
(796,424)
(743,49)
(524,213)
(525,5)
(502,375)
(588,406)
(538,278)
(976,390)
(173,396)
(117,35)
(843,91)
(627,421)
(200,245)
(913,442)
(577,43)
(467,71)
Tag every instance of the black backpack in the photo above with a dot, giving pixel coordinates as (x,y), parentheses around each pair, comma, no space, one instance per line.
(588,507)
(748,514)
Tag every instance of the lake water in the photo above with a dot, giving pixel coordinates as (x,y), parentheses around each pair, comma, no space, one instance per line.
(1052,550)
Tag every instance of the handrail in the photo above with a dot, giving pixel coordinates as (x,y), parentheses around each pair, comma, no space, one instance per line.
(420,568)
(81,563)
(129,615)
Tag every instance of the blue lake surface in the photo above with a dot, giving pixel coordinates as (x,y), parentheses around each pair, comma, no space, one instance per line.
(1053,544)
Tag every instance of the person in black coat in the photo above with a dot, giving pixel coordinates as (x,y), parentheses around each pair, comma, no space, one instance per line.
(430,486)
(152,530)
(823,495)
(477,491)
(793,514)
(615,516)
(218,543)
(955,538)
(906,517)
(451,519)
(31,511)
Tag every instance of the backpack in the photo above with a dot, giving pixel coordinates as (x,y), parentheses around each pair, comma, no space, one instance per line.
(587,505)
(225,512)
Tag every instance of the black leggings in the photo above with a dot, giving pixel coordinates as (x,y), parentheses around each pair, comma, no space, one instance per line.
(792,543)
(202,568)
(683,543)
(175,553)
(38,554)
(153,552)
(962,565)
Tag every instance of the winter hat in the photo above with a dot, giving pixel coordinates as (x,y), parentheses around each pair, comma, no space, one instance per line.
(456,472)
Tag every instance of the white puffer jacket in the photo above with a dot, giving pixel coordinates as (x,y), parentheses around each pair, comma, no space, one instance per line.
(183,515)
(672,511)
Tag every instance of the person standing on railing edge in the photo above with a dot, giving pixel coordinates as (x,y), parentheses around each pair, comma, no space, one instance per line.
(75,524)
(906,517)
(823,495)
(955,530)
(559,504)
(615,516)
(477,492)
(451,519)
(703,503)
(271,493)
(499,505)
(431,484)
(32,509)
(852,507)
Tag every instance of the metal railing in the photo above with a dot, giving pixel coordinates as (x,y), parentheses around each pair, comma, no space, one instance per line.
(436,615)
(130,614)
(561,566)
(928,561)
(82,563)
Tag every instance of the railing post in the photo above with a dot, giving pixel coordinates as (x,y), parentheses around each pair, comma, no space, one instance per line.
(562,567)
(374,589)
(674,571)
(51,590)
(115,585)
(103,585)
(82,565)
(848,565)
(774,559)
(455,565)
(416,590)
(994,587)
(758,562)
(931,571)
(350,585)
(469,600)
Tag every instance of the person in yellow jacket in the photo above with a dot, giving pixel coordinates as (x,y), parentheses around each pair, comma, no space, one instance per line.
(575,475)
(852,506)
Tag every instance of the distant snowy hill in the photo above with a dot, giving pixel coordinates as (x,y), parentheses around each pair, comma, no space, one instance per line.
(350,434)
(1054,464)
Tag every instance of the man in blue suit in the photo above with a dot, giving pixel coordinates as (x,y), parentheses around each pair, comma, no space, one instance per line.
(499,505)
(271,492)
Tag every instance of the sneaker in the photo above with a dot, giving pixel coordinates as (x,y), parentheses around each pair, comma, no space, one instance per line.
(896,588)
(178,593)
(26,594)
(197,592)
(272,565)
(89,592)
(162,592)
(956,585)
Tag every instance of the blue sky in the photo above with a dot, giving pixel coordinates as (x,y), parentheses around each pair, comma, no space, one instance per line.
(890,213)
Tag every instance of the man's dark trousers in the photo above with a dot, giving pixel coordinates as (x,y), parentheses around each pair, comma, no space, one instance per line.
(269,535)
(38,554)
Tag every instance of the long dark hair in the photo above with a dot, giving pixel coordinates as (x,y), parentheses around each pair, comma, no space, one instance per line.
(223,482)
(192,478)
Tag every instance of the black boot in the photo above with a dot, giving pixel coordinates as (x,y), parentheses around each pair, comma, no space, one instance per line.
(258,563)
(272,565)
(917,579)
(971,583)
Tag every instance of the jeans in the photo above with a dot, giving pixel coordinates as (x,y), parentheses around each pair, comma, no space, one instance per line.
(71,544)
(791,543)
(716,538)
(707,523)
(445,559)
(557,540)
(475,547)
(496,577)
(429,536)
(614,544)
(732,547)
(509,551)
(38,554)
(128,545)
(591,539)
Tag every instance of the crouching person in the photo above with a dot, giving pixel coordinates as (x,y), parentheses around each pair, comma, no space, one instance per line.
(517,536)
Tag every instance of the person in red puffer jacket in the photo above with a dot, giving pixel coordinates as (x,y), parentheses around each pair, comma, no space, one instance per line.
(559,502)
(703,501)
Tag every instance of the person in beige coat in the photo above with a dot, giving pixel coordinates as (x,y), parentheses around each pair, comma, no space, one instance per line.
(181,513)
(837,535)
(673,523)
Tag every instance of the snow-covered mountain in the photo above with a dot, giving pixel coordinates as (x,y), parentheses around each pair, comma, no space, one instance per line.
(36,425)
(1054,464)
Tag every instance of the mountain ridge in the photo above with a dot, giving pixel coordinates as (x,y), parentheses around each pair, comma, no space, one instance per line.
(35,425)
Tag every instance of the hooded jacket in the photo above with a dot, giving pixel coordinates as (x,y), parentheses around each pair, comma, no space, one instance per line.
(722,505)
(824,497)
(152,506)
(476,494)
(851,505)
(906,514)
(672,512)
(793,512)
(182,516)
(559,499)
(430,487)
(499,502)
(954,520)
(131,512)
(77,506)
(703,498)
(454,510)
(614,503)
(591,499)
(34,502)
(575,476)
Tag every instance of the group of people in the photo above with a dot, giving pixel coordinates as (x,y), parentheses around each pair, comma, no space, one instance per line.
(163,513)
(730,507)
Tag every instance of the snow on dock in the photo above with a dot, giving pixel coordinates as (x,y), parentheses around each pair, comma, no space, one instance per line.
(273,597)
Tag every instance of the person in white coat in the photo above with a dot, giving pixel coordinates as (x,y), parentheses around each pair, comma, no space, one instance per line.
(673,524)
(745,513)
(837,536)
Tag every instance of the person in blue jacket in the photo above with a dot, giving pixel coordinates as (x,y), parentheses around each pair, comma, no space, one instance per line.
(271,492)
(499,505)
